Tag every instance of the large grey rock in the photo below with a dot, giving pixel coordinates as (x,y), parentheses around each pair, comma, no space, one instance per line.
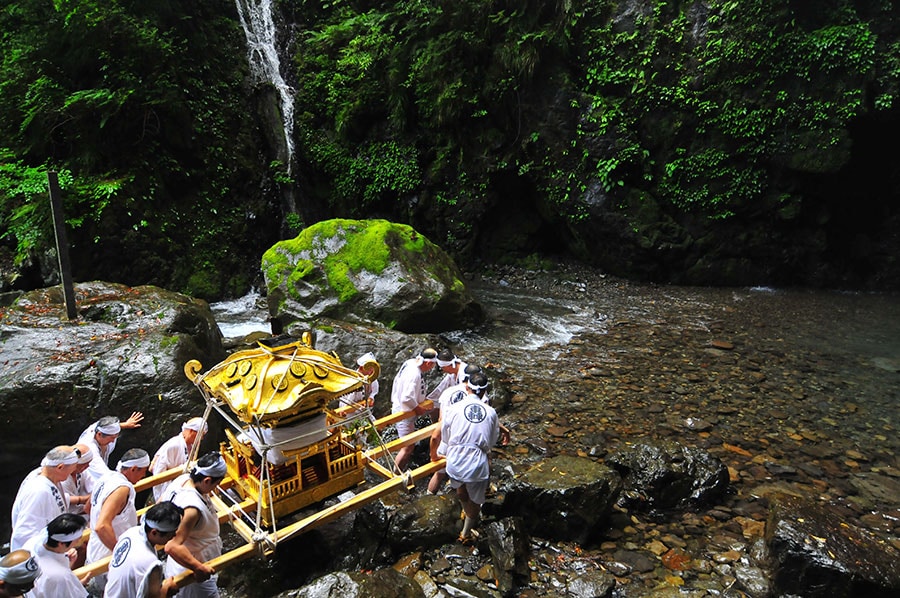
(125,352)
(668,475)
(381,583)
(818,554)
(367,271)
(427,521)
(565,498)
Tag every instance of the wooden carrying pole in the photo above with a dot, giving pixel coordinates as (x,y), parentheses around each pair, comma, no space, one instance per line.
(258,545)
(251,549)
(62,245)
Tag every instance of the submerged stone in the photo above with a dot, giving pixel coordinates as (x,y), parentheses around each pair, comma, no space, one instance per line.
(817,553)
(564,497)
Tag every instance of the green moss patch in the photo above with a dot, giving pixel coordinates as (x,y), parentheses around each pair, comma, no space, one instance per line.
(363,245)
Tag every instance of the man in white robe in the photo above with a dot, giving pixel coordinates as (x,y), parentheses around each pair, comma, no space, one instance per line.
(454,373)
(75,485)
(197,539)
(18,572)
(407,394)
(469,431)
(112,507)
(102,437)
(55,550)
(40,497)
(175,451)
(135,570)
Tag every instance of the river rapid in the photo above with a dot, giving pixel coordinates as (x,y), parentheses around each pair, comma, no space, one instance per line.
(796,391)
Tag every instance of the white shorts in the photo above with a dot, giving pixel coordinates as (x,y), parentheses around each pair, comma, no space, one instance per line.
(406,426)
(205,589)
(476,490)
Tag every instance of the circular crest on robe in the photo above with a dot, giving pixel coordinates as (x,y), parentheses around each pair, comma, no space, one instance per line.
(121,552)
(475,413)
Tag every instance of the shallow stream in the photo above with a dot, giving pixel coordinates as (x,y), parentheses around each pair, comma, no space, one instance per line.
(795,391)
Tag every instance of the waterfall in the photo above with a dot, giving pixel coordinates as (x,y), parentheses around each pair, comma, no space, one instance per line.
(259,28)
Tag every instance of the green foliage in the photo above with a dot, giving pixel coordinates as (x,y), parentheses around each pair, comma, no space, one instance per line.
(420,111)
(25,214)
(726,99)
(169,341)
(377,171)
(294,223)
(155,142)
(280,173)
(709,183)
(392,86)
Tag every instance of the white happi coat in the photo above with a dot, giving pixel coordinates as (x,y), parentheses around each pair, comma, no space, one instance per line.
(452,395)
(469,430)
(57,580)
(125,519)
(408,389)
(75,485)
(38,502)
(172,453)
(447,381)
(99,467)
(204,542)
(133,560)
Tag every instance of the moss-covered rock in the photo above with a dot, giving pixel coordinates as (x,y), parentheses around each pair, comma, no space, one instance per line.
(364,271)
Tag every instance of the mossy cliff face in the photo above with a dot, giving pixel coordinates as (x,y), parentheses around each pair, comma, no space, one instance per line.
(712,142)
(367,271)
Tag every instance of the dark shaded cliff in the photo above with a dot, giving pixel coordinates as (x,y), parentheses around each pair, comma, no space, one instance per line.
(714,143)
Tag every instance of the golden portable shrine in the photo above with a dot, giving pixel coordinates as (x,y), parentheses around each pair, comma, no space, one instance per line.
(293,440)
(285,449)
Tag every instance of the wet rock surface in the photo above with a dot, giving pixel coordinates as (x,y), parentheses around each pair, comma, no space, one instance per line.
(125,352)
(817,553)
(668,475)
(787,391)
(563,497)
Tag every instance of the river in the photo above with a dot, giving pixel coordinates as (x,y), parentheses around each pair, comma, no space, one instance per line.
(796,391)
(777,369)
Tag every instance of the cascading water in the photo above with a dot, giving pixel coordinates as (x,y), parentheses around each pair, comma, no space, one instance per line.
(259,28)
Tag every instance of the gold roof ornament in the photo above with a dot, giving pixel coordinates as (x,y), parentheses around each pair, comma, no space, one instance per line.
(276,384)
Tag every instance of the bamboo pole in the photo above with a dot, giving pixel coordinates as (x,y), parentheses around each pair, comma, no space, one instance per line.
(62,245)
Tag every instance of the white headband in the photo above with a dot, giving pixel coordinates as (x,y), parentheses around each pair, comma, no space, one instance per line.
(444,364)
(143,461)
(109,429)
(196,424)
(70,459)
(216,470)
(475,387)
(22,573)
(158,525)
(70,537)
(86,456)
(367,358)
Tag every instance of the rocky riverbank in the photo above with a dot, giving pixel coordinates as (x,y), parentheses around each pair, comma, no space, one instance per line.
(767,382)
(794,394)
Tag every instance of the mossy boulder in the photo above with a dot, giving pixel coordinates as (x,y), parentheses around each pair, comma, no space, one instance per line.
(367,271)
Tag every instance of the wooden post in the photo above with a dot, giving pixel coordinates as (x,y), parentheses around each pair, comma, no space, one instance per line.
(62,245)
